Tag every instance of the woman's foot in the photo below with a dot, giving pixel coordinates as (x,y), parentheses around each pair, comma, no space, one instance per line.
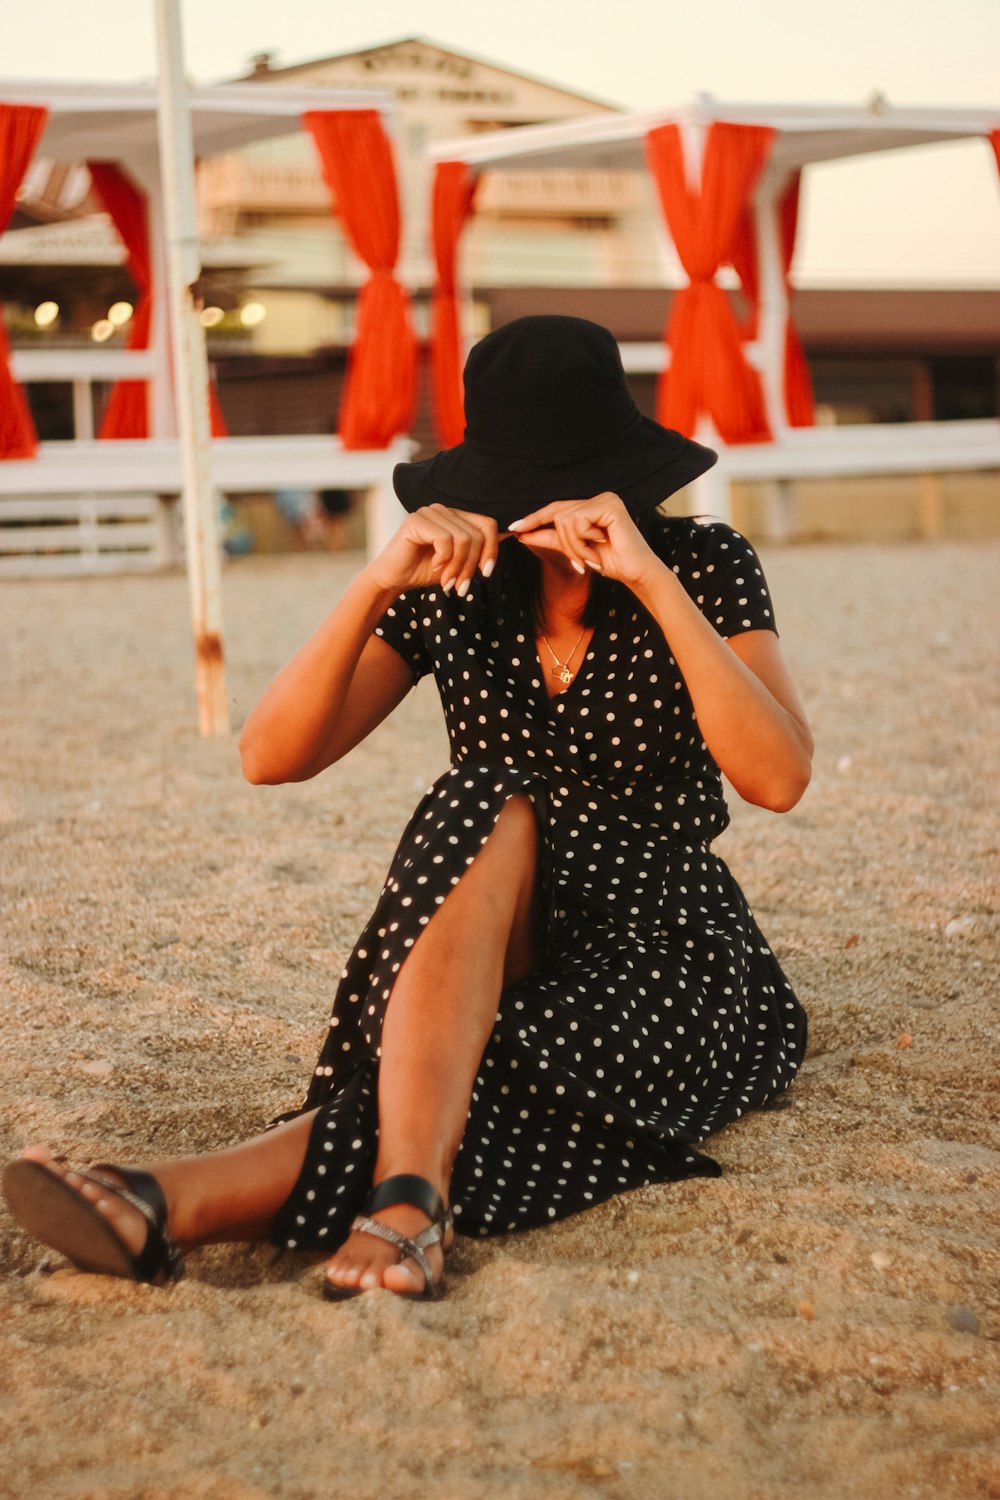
(365,1261)
(128,1223)
(108,1220)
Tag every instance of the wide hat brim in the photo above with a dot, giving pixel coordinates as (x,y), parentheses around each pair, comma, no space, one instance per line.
(644,465)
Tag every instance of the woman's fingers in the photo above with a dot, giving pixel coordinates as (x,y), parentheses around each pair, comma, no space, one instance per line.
(468,535)
(600,509)
(491,544)
(568,527)
(598,534)
(483,547)
(546,516)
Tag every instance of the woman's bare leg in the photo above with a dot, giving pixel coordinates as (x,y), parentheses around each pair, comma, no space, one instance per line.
(439,1018)
(221,1196)
(438,1021)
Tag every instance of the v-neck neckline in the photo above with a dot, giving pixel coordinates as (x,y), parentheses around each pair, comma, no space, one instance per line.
(538,675)
(549,671)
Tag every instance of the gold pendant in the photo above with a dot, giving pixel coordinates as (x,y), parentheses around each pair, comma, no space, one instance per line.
(564,675)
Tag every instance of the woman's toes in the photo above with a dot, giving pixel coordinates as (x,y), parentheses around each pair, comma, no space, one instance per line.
(128,1223)
(404,1276)
(342,1271)
(42,1154)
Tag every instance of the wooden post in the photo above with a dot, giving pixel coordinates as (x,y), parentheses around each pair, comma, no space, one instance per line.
(191,371)
(83,411)
(931,507)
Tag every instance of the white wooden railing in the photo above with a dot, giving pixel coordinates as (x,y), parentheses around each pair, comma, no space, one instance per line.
(110,506)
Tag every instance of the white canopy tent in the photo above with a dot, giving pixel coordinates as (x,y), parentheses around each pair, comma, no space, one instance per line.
(119,122)
(803,135)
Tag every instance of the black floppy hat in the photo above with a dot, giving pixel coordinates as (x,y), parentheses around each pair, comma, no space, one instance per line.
(549,416)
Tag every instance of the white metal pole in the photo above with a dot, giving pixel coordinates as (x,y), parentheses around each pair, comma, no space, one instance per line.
(190,371)
(772,319)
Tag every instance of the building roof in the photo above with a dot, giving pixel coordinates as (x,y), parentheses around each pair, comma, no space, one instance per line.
(588,100)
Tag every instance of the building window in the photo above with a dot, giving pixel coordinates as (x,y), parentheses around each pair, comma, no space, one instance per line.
(964,388)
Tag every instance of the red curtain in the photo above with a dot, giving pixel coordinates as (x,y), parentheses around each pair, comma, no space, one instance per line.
(21,126)
(743,258)
(378,398)
(708,371)
(127,412)
(995,143)
(451,204)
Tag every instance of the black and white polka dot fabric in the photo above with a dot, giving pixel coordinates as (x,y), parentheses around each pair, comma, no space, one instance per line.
(658,1014)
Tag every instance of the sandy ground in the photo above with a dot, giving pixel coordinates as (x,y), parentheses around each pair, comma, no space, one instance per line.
(822,1321)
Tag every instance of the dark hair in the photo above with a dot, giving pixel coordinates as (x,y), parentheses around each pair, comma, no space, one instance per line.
(518,574)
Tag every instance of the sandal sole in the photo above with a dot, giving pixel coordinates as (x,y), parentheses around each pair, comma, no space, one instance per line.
(54,1213)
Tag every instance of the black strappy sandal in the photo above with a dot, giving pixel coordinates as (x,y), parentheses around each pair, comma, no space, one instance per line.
(44,1204)
(416,1192)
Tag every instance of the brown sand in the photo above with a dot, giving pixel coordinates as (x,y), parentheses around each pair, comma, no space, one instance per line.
(822,1321)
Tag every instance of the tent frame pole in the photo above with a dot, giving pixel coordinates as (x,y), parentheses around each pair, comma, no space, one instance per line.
(190,371)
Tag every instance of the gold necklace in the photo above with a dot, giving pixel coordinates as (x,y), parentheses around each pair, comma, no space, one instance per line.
(561,668)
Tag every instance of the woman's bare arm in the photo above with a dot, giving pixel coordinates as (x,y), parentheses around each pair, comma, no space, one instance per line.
(333,692)
(748,711)
(345,680)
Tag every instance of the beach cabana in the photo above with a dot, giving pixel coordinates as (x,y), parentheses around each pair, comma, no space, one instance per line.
(128,472)
(727,180)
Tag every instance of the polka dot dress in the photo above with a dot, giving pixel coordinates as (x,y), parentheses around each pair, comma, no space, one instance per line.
(658,1014)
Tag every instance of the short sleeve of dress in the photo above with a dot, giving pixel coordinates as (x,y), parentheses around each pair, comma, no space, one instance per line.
(400,627)
(725,578)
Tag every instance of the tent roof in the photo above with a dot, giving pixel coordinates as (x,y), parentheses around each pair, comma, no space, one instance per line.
(806,133)
(118,121)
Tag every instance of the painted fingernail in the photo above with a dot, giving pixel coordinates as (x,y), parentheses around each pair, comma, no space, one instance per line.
(515,526)
(578,565)
(447,587)
(463,588)
(487,567)
(596,566)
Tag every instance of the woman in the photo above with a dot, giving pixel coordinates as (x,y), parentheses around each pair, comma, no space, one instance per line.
(561,990)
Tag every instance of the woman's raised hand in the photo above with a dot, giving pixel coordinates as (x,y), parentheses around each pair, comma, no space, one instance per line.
(598,533)
(437,545)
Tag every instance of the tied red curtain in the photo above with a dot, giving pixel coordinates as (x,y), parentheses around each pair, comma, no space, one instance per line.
(451,203)
(995,143)
(21,126)
(378,398)
(798,391)
(708,370)
(127,412)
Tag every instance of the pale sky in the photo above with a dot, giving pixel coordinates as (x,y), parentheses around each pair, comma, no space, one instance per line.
(934,213)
